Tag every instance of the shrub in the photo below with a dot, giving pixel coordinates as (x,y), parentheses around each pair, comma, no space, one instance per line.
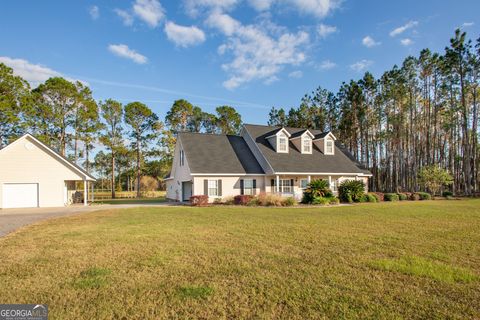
(424,196)
(228,200)
(379,196)
(253,202)
(351,190)
(269,199)
(321,200)
(316,188)
(217,201)
(402,196)
(334,201)
(447,194)
(288,202)
(242,199)
(201,200)
(371,197)
(363,198)
(391,197)
(414,197)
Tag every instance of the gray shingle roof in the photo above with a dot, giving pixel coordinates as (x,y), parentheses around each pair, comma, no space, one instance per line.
(213,153)
(295,161)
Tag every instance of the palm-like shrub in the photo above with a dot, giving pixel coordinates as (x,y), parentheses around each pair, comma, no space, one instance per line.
(351,191)
(315,189)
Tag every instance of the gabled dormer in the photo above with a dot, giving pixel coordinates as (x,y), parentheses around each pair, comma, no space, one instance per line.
(278,139)
(325,142)
(302,140)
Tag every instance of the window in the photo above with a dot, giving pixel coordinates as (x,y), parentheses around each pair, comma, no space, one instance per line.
(334,185)
(182,158)
(303,183)
(329,148)
(248,187)
(307,145)
(282,143)
(285,186)
(212,188)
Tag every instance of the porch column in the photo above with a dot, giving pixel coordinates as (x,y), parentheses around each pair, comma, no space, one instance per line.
(330,181)
(85,192)
(93,194)
(277,188)
(309,178)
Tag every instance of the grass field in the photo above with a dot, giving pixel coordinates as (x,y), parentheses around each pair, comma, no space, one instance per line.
(131,201)
(411,260)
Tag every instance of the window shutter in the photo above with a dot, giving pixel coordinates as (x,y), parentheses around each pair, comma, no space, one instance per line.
(291,184)
(254,186)
(219,187)
(205,187)
(241,187)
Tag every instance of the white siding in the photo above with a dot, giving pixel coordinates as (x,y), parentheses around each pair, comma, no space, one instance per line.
(230,185)
(179,174)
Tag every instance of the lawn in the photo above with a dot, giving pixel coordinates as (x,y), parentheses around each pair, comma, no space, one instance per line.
(131,201)
(412,260)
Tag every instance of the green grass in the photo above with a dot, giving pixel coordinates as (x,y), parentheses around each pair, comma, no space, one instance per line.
(410,260)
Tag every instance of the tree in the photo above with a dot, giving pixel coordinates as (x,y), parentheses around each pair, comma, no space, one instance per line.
(229,120)
(14,99)
(433,178)
(143,125)
(178,116)
(55,109)
(111,137)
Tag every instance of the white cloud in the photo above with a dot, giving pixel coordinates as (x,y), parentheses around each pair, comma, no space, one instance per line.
(94,12)
(223,22)
(184,36)
(194,7)
(406,42)
(361,65)
(325,30)
(122,50)
(402,29)
(126,17)
(258,52)
(327,65)
(33,73)
(468,24)
(261,5)
(296,74)
(369,42)
(319,8)
(150,11)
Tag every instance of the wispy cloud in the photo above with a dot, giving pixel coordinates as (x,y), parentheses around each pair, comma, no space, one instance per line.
(402,29)
(122,50)
(406,42)
(94,12)
(126,17)
(324,30)
(361,65)
(468,24)
(184,36)
(326,65)
(150,11)
(33,73)
(369,42)
(297,74)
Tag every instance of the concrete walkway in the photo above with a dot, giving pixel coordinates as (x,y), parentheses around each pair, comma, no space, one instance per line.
(12,219)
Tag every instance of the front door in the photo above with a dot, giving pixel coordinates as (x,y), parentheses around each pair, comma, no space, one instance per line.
(186,190)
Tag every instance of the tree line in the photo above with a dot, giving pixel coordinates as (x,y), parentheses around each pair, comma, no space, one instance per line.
(422,113)
(133,141)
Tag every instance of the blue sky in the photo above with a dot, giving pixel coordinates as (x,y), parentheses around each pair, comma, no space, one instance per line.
(251,54)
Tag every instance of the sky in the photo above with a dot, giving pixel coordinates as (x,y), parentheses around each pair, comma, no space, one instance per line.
(250,54)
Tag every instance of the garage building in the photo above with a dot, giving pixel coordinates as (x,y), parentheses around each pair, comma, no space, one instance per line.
(34,175)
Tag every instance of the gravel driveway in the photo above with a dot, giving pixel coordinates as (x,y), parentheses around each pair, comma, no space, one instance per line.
(12,219)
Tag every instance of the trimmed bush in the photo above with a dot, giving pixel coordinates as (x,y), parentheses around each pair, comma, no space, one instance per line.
(351,191)
(334,201)
(198,201)
(321,200)
(424,196)
(371,197)
(254,202)
(316,188)
(391,197)
(402,196)
(242,199)
(363,198)
(414,197)
(447,194)
(379,195)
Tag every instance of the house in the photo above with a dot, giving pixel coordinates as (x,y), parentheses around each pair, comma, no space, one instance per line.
(261,159)
(34,175)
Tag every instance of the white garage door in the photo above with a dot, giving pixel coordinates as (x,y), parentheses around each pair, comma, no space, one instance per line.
(20,195)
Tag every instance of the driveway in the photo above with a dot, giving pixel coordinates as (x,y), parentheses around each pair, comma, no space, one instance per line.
(12,219)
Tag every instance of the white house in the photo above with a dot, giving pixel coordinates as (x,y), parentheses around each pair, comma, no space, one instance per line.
(261,159)
(34,175)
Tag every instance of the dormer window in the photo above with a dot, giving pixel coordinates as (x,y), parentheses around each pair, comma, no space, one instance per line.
(325,142)
(307,144)
(282,143)
(329,146)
